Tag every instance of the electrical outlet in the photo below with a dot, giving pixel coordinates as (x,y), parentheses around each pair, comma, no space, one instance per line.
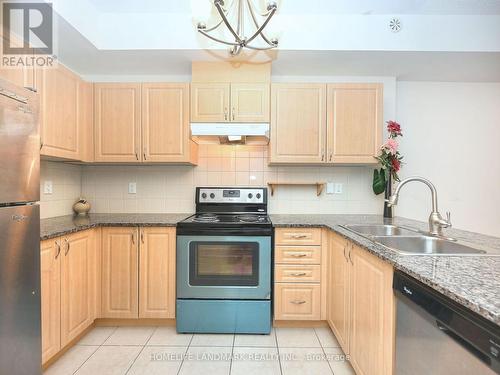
(329,188)
(47,187)
(132,187)
(338,188)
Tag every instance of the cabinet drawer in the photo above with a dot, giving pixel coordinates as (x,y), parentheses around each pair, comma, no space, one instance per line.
(298,254)
(297,273)
(298,236)
(297,301)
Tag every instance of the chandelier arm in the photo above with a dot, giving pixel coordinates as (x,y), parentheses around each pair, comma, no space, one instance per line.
(217,40)
(254,19)
(259,30)
(226,22)
(214,27)
(251,5)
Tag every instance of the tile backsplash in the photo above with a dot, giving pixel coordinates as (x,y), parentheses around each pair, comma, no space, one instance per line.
(66,180)
(170,188)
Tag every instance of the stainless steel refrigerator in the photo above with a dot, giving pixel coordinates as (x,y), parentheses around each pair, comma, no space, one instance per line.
(20,307)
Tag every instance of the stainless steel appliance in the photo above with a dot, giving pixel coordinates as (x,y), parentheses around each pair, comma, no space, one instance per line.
(20,342)
(224,263)
(435,335)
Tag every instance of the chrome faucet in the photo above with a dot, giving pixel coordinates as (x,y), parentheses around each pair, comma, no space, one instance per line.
(436,221)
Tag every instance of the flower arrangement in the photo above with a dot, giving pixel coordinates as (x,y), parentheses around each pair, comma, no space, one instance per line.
(389,158)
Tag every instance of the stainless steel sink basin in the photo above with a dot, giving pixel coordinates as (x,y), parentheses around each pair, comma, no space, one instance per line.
(379,230)
(425,245)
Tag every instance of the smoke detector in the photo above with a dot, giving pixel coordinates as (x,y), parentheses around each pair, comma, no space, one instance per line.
(395,25)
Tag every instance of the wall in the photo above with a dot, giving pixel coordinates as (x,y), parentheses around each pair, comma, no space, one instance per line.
(451,136)
(171,188)
(66,188)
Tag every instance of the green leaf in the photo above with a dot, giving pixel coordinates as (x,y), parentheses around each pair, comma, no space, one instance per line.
(379,181)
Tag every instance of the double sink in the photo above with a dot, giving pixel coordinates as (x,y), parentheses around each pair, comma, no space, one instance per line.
(407,241)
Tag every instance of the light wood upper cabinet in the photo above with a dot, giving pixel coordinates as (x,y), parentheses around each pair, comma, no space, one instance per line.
(165,122)
(250,102)
(119,285)
(77,293)
(157,273)
(23,76)
(50,263)
(117,121)
(86,120)
(338,290)
(210,102)
(355,116)
(372,302)
(298,123)
(60,133)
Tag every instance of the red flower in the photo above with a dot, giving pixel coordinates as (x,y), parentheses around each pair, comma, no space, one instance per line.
(394,128)
(396,164)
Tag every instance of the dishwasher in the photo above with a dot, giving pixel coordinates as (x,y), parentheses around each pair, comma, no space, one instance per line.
(435,335)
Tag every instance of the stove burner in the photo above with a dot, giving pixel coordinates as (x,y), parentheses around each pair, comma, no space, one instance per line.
(206,218)
(250,218)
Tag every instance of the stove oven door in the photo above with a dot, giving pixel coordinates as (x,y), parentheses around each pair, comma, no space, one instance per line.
(224,267)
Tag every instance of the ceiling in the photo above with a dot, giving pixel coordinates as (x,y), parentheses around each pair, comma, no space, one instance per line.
(428,7)
(465,48)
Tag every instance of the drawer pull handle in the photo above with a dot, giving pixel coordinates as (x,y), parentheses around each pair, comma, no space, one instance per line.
(298,255)
(298,274)
(297,236)
(298,302)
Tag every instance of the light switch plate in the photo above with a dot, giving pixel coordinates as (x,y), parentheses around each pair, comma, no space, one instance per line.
(132,187)
(47,187)
(329,188)
(338,188)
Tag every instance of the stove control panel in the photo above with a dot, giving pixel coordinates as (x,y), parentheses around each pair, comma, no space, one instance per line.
(232,195)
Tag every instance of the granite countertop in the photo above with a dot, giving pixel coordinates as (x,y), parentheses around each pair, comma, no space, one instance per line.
(472,281)
(61,225)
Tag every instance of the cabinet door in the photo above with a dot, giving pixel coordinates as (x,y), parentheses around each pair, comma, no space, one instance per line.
(298,123)
(355,116)
(117,120)
(86,120)
(60,133)
(157,273)
(77,304)
(165,122)
(338,290)
(119,273)
(210,102)
(372,311)
(50,262)
(250,102)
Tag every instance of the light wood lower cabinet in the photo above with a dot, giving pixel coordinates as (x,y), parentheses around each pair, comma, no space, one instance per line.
(298,274)
(372,302)
(120,249)
(338,290)
(68,288)
(157,273)
(50,264)
(297,301)
(77,292)
(361,309)
(138,272)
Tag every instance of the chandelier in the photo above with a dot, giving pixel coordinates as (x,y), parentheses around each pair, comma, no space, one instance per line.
(236,11)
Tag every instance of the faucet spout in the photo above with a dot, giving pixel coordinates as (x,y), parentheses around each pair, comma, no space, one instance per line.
(436,221)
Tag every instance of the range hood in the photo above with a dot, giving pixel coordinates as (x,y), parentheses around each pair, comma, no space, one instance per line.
(230,132)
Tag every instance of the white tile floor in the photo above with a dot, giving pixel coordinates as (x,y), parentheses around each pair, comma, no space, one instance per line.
(161,350)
